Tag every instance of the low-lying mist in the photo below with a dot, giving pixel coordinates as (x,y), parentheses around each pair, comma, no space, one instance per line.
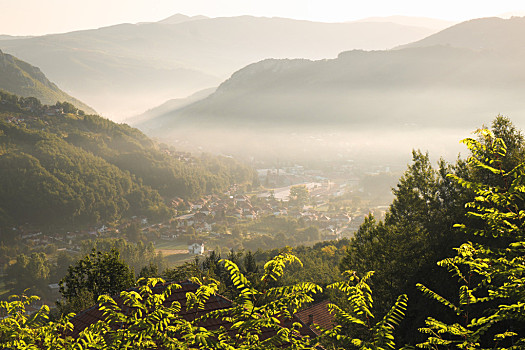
(373,147)
(376,127)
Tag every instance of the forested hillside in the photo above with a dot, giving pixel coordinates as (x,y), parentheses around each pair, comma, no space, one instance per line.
(58,165)
(21,78)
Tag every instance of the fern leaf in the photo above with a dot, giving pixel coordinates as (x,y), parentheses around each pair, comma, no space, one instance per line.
(433,295)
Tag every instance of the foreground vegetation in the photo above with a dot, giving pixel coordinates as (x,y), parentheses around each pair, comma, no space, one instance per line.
(469,217)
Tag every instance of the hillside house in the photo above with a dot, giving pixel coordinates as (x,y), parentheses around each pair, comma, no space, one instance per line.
(196,248)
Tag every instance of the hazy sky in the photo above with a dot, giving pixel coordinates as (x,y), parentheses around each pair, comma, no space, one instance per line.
(36,17)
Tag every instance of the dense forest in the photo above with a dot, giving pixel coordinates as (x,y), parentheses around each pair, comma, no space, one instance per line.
(59,166)
(443,270)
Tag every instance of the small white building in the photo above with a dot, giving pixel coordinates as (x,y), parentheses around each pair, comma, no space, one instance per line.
(196,248)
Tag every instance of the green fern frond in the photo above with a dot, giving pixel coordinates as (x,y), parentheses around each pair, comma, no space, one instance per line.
(383,331)
(238,279)
(346,317)
(274,268)
(203,293)
(466,297)
(358,292)
(433,295)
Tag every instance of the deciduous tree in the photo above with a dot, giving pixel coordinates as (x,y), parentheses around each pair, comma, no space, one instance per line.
(96,274)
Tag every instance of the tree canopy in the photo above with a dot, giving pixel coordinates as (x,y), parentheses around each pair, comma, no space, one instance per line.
(96,274)
(67,167)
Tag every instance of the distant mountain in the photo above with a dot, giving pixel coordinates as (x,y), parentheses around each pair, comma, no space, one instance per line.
(423,22)
(512,14)
(59,166)
(167,107)
(10,37)
(122,70)
(180,18)
(379,89)
(23,79)
(504,36)
(439,83)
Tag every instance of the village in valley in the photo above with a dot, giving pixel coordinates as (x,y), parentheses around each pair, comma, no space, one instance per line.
(290,205)
(296,206)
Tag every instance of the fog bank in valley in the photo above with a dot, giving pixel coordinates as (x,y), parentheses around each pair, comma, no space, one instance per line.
(370,146)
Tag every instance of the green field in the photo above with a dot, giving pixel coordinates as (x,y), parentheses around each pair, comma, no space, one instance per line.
(175,252)
(175,245)
(179,259)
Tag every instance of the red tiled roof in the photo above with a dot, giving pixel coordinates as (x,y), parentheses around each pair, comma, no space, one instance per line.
(320,313)
(317,314)
(215,302)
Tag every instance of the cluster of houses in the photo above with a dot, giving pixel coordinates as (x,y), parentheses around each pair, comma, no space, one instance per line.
(47,111)
(69,241)
(205,217)
(210,210)
(185,157)
(18,120)
(210,216)
(53,111)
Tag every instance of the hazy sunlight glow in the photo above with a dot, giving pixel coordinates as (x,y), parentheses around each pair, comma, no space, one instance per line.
(35,17)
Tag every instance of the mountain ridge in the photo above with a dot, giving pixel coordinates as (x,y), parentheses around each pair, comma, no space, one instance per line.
(141,65)
(429,63)
(180,18)
(424,22)
(265,80)
(492,33)
(406,91)
(21,78)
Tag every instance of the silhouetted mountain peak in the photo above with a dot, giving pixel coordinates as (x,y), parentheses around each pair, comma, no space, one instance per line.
(180,18)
